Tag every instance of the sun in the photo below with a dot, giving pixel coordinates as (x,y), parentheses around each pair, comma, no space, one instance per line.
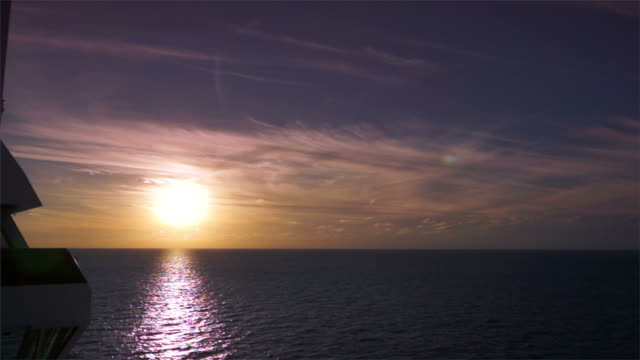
(181,203)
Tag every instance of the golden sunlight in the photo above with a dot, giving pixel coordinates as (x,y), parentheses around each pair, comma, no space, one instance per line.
(181,203)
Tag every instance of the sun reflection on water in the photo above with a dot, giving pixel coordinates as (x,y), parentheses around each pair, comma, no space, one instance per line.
(181,318)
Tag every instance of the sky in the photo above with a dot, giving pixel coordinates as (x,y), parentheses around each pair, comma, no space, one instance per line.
(457,125)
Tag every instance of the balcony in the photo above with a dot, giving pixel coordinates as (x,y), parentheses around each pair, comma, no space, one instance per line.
(45,302)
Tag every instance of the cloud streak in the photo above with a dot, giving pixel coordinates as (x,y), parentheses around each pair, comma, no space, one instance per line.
(341,171)
(335,184)
(344,68)
(400,61)
(342,65)
(251,77)
(127,49)
(290,40)
(117,48)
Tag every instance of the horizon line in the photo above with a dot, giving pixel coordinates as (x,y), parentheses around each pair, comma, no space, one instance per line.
(344,249)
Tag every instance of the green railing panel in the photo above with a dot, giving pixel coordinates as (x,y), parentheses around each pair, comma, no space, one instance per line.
(39,267)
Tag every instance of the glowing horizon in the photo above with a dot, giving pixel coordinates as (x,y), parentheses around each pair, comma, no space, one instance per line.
(346,133)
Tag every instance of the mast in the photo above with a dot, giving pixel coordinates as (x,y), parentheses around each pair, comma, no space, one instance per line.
(44,308)
(16,192)
(5,14)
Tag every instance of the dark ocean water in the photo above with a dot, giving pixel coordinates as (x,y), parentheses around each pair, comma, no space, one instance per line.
(291,304)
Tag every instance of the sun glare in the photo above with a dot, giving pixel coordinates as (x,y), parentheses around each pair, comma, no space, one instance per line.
(181,203)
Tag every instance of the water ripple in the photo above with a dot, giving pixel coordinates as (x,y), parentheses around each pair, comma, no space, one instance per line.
(180,319)
(152,304)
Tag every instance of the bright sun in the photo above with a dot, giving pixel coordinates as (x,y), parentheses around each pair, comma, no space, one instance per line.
(181,203)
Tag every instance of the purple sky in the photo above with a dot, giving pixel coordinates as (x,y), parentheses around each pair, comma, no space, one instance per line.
(329,125)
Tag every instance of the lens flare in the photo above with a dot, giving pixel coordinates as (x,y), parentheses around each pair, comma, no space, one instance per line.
(449,159)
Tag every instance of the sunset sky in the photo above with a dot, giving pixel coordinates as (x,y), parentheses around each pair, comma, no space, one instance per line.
(328,125)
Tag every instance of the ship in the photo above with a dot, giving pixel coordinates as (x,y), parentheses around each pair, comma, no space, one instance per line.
(45,300)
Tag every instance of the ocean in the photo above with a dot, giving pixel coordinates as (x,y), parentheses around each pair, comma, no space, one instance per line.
(360,304)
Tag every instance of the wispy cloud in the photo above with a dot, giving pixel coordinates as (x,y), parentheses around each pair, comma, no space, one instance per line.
(290,40)
(345,68)
(423,43)
(292,166)
(259,78)
(392,37)
(126,49)
(396,60)
(251,77)
(218,85)
(324,180)
(118,48)
(345,53)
